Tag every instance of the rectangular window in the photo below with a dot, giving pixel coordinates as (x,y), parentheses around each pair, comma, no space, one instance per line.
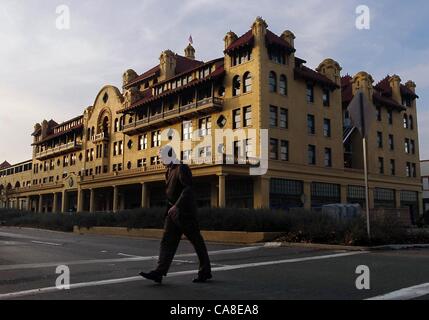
(205,126)
(408,170)
(284,114)
(425,183)
(390,117)
(381,165)
(392,167)
(154,161)
(237,119)
(273,116)
(115,149)
(327,128)
(310,93)
(274,149)
(247,117)
(391,142)
(412,147)
(326,97)
(328,157)
(414,170)
(284,151)
(142,142)
(311,127)
(311,155)
(121,148)
(378,112)
(407,146)
(156,139)
(249,148)
(380,139)
(187,155)
(187,130)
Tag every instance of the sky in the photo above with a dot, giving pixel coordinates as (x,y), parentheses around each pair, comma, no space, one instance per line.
(51,73)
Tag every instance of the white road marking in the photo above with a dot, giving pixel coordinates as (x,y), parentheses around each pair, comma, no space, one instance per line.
(86,262)
(47,243)
(406,293)
(20,294)
(128,255)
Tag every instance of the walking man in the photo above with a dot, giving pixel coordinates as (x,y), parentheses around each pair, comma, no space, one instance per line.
(181,218)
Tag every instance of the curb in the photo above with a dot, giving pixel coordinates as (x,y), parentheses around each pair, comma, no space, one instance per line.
(392,247)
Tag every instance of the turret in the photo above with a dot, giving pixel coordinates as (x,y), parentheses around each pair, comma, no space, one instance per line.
(331,69)
(395,84)
(363,81)
(190,52)
(167,64)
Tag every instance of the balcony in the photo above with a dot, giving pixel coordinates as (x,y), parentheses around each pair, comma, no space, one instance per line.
(59,150)
(101,137)
(169,117)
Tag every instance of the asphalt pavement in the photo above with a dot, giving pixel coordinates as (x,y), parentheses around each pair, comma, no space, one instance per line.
(107,268)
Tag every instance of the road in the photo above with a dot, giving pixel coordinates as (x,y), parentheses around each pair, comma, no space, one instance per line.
(107,267)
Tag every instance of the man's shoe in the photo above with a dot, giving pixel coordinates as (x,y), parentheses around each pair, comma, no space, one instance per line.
(202,278)
(154,276)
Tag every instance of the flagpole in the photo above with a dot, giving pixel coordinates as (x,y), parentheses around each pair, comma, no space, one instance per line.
(365,164)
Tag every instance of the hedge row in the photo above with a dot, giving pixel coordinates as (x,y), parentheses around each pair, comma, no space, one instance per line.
(297,226)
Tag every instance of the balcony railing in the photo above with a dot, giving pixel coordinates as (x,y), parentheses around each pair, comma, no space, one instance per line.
(101,137)
(71,146)
(170,116)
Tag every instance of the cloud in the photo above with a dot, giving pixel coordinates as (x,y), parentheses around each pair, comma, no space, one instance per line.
(46,73)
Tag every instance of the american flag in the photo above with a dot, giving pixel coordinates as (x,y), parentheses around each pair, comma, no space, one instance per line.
(191,41)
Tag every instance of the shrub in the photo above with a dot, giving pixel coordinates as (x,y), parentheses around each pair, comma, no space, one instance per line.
(297,225)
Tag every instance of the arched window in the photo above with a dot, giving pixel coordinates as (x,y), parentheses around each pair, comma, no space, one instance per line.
(411,122)
(247,80)
(283,85)
(406,123)
(273,82)
(116,125)
(236,86)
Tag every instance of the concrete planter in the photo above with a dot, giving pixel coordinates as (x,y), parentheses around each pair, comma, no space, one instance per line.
(211,236)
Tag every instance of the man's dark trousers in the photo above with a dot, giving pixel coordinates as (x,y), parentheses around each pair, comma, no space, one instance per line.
(173,232)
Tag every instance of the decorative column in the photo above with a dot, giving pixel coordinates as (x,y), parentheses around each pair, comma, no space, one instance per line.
(115,198)
(80,200)
(92,201)
(55,203)
(144,203)
(344,194)
(261,192)
(307,195)
(398,199)
(40,208)
(222,191)
(64,202)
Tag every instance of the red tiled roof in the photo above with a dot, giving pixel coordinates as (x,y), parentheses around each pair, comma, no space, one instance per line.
(59,134)
(387,102)
(219,72)
(311,75)
(386,89)
(246,39)
(408,92)
(68,121)
(273,39)
(148,74)
(5,165)
(182,65)
(380,95)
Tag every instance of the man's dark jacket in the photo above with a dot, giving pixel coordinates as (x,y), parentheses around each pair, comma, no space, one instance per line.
(179,190)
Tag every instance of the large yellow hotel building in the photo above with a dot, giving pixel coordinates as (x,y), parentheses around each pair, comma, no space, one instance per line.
(106,158)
